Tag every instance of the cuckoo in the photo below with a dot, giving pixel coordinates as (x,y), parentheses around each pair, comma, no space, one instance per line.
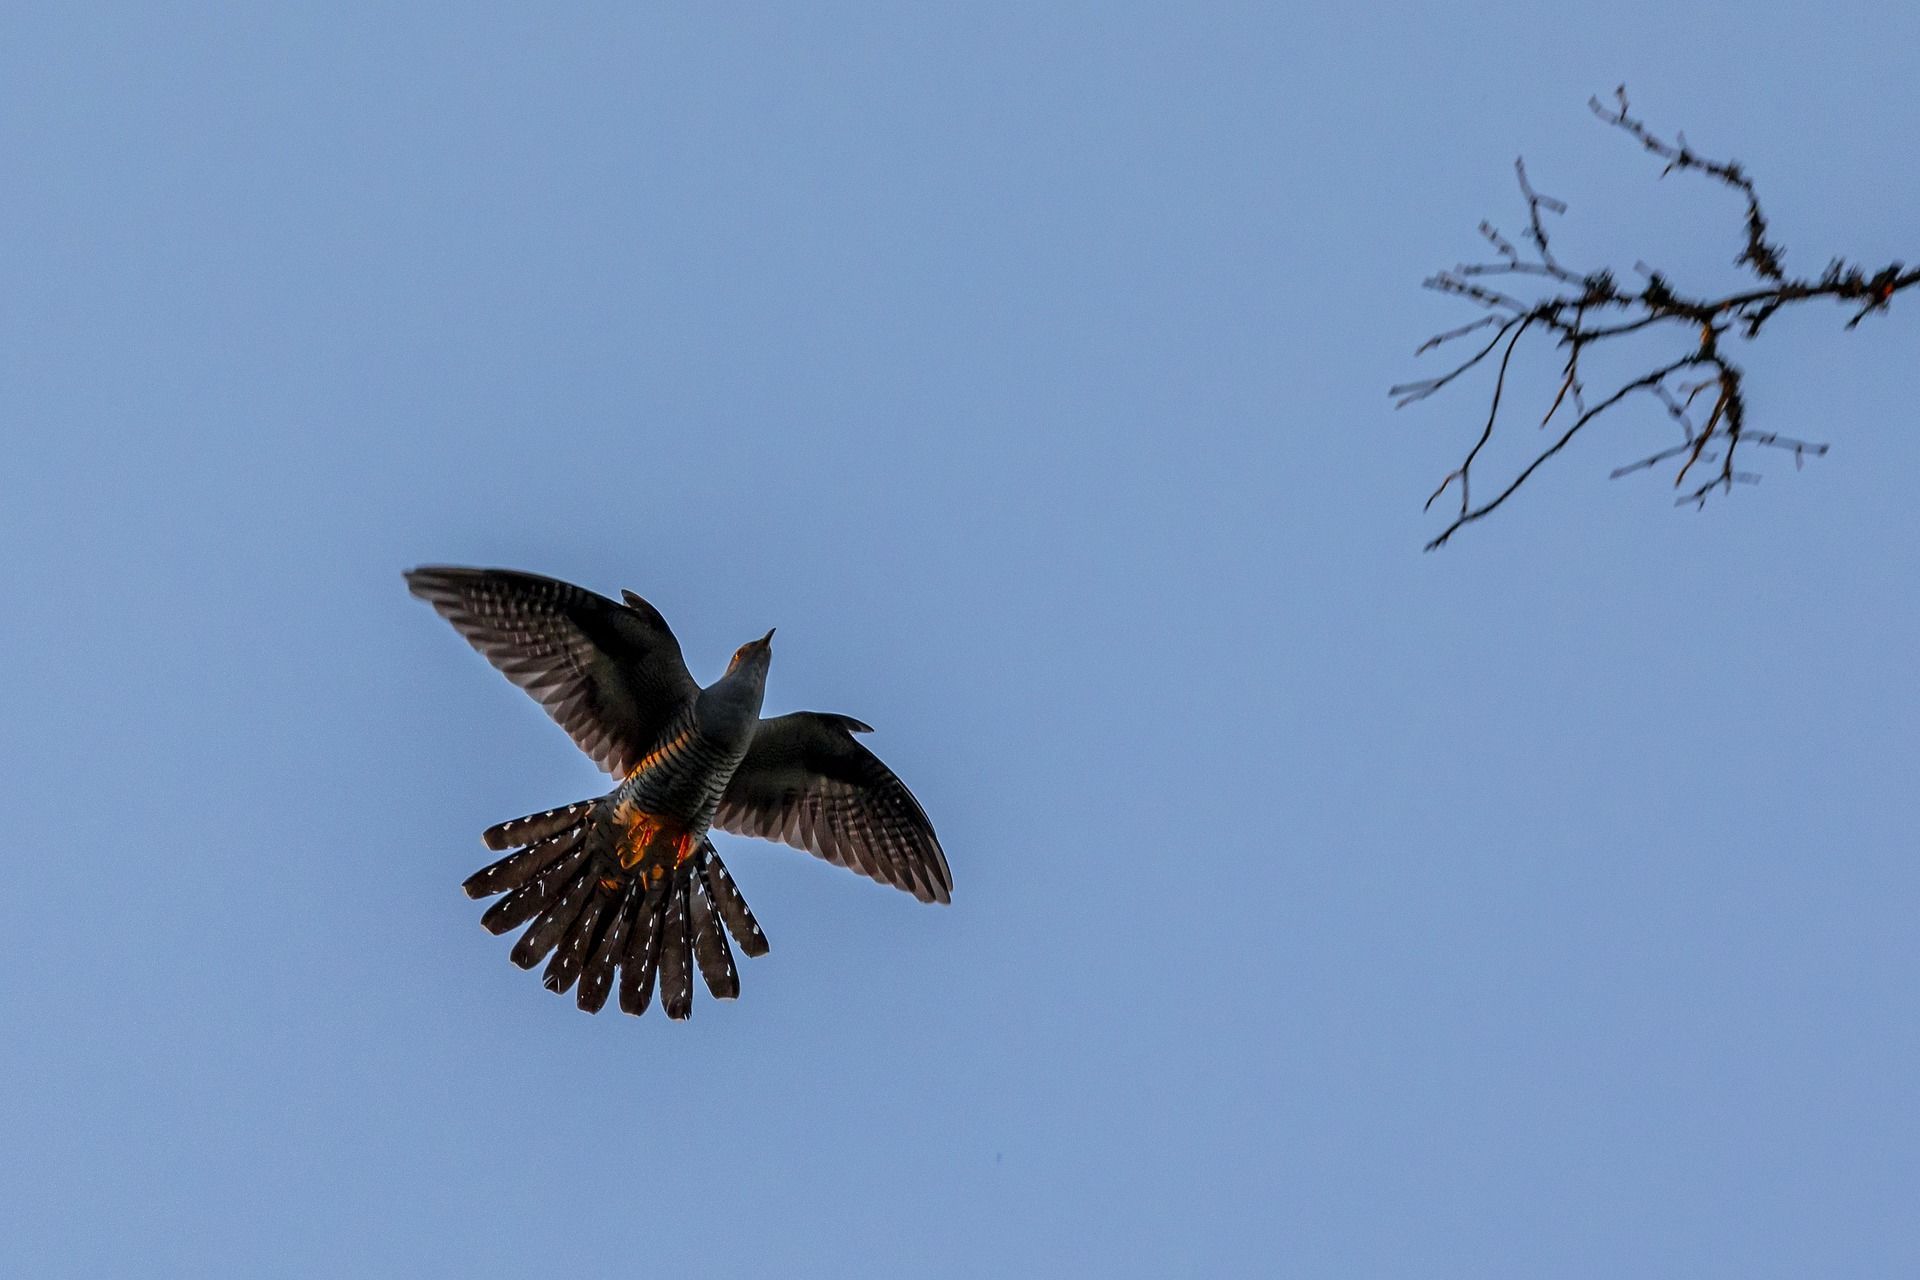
(630,881)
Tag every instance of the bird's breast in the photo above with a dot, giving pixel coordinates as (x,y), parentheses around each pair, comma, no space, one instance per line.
(682,778)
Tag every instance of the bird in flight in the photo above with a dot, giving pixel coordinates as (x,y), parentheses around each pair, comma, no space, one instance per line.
(630,880)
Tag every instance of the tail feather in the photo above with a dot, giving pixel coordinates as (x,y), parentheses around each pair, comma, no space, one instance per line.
(642,961)
(552,924)
(535,896)
(676,958)
(732,907)
(710,946)
(516,869)
(535,826)
(596,979)
(578,944)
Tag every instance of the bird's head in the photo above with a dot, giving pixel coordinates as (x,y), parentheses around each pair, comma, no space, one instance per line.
(753,657)
(732,703)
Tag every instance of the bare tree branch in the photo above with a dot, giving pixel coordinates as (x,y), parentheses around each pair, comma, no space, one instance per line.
(1580,310)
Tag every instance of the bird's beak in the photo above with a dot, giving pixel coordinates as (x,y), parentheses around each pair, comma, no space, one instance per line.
(766,641)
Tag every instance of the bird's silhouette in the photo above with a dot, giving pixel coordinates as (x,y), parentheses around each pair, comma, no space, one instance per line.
(629,881)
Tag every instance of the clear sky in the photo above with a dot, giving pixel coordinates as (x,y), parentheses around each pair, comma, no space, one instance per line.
(1542,907)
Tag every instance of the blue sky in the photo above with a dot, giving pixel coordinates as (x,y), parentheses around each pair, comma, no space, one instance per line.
(1541,907)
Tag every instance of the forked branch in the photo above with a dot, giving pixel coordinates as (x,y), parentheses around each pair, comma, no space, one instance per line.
(1529,290)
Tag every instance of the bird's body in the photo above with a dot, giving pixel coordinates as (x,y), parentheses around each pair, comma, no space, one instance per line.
(665,805)
(630,880)
(686,775)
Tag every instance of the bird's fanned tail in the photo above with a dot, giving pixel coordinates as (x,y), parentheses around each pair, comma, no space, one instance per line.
(591,918)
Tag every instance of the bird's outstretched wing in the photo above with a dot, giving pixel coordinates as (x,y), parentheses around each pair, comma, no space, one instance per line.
(807,783)
(611,674)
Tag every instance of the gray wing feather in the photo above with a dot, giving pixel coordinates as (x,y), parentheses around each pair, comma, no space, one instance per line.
(807,783)
(611,674)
